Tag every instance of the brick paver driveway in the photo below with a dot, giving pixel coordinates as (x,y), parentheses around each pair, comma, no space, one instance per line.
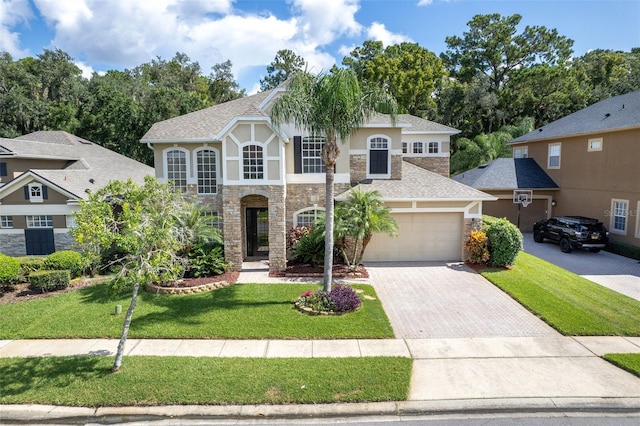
(439,300)
(610,270)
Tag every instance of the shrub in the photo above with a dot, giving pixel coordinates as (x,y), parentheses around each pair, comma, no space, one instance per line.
(505,241)
(207,260)
(65,260)
(293,236)
(9,269)
(478,247)
(310,247)
(29,264)
(49,280)
(626,250)
(341,299)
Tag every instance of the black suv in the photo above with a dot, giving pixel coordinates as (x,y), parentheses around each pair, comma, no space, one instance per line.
(572,232)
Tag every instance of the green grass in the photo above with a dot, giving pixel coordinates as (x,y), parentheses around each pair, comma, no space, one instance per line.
(241,311)
(86,381)
(629,362)
(571,304)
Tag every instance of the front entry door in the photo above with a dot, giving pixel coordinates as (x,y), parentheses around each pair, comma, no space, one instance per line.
(257,231)
(39,241)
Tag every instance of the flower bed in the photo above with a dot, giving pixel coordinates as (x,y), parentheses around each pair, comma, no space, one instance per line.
(340,300)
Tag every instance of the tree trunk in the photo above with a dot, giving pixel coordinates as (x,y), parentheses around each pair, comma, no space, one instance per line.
(330,153)
(125,329)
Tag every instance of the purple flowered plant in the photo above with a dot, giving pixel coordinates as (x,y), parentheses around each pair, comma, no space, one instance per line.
(344,298)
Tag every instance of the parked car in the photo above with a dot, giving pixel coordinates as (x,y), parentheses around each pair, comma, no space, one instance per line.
(572,232)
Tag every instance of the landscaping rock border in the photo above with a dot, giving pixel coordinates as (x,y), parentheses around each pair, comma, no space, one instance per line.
(154,288)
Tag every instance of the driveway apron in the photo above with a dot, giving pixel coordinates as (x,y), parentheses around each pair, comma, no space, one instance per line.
(426,300)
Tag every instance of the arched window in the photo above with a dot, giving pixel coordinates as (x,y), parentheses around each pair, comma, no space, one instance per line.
(307,217)
(252,162)
(379,155)
(177,168)
(207,171)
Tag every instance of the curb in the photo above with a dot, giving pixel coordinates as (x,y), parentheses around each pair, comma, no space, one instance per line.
(23,414)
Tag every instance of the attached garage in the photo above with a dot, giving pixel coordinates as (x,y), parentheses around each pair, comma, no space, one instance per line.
(421,237)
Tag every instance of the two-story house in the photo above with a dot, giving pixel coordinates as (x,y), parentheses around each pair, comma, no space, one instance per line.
(593,155)
(43,175)
(261,180)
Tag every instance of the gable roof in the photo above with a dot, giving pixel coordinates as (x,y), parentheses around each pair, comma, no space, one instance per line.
(613,114)
(507,173)
(89,166)
(420,184)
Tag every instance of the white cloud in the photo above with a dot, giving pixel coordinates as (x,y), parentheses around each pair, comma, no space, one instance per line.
(12,13)
(378,31)
(323,21)
(87,70)
(425,2)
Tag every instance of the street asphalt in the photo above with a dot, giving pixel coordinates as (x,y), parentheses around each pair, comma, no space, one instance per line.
(474,350)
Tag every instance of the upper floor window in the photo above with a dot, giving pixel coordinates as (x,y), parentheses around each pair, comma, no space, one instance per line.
(252,162)
(379,143)
(554,156)
(39,221)
(434,147)
(595,144)
(307,217)
(379,157)
(206,166)
(619,212)
(521,152)
(405,147)
(418,148)
(3,169)
(35,192)
(177,169)
(6,221)
(312,154)
(70,221)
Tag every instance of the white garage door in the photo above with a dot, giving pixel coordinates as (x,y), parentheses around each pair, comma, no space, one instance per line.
(421,236)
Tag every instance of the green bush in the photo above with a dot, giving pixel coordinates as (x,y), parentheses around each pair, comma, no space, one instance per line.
(49,280)
(65,260)
(626,250)
(206,260)
(9,269)
(505,240)
(310,247)
(29,264)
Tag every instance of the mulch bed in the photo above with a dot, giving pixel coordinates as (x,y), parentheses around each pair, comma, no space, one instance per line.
(302,270)
(22,292)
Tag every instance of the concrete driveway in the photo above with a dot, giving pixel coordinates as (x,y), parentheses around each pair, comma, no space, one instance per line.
(426,300)
(610,270)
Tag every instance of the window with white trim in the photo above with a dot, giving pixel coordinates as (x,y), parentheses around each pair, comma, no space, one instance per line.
(378,143)
(434,147)
(312,154)
(307,217)
(554,156)
(405,147)
(594,144)
(35,193)
(619,214)
(206,171)
(213,219)
(418,148)
(252,162)
(177,169)
(70,221)
(521,152)
(6,221)
(39,221)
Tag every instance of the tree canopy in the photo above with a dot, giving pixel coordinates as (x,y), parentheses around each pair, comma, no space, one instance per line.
(285,64)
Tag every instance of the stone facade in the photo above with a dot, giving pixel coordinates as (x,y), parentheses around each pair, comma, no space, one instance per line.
(63,241)
(13,244)
(303,196)
(358,167)
(439,165)
(396,167)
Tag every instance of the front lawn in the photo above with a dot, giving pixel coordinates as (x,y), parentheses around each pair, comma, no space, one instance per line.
(86,381)
(629,362)
(240,311)
(571,304)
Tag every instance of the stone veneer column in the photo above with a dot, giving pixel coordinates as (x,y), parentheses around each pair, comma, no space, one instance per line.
(277,228)
(358,167)
(232,224)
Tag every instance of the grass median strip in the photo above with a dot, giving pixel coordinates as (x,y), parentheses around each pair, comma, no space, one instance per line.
(629,362)
(87,381)
(571,304)
(241,311)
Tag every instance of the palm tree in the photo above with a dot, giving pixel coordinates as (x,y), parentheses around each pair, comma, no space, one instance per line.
(357,219)
(331,105)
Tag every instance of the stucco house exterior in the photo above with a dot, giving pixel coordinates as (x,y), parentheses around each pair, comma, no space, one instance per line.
(43,175)
(593,155)
(261,180)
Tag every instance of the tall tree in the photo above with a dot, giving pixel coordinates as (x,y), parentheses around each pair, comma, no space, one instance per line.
(141,220)
(408,71)
(610,73)
(331,105)
(223,86)
(283,67)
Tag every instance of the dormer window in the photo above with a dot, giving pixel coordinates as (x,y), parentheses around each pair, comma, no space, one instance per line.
(35,192)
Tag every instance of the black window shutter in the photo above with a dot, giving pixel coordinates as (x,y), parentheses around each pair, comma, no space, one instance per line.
(3,169)
(297,154)
(45,195)
(26,192)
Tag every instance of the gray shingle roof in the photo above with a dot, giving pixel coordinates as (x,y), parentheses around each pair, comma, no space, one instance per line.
(420,184)
(87,160)
(420,124)
(507,173)
(616,113)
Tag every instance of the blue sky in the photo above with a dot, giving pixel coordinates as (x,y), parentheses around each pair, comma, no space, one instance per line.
(118,34)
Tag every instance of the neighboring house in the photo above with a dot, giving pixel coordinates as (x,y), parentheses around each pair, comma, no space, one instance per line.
(261,180)
(43,175)
(593,155)
(501,177)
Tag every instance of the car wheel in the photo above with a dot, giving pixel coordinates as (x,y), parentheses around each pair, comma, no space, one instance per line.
(565,245)
(537,236)
(594,250)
